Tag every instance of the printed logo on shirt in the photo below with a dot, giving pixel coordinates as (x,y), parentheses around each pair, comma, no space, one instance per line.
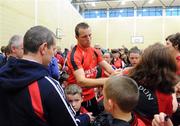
(147,93)
(91,72)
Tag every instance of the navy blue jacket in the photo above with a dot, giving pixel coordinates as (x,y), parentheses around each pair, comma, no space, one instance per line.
(22,104)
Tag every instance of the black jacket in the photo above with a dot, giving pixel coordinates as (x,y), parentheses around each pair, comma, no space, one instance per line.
(19,104)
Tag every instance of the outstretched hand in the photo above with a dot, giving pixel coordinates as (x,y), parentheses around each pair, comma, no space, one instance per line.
(90,116)
(161,120)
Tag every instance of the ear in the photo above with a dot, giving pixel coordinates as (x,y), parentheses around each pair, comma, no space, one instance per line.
(43,48)
(176,47)
(13,48)
(82,98)
(110,104)
(76,37)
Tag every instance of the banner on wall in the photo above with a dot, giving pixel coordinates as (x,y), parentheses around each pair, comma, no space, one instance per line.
(137,39)
(59,33)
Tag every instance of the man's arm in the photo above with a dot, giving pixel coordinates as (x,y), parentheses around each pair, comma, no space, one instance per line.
(87,82)
(108,68)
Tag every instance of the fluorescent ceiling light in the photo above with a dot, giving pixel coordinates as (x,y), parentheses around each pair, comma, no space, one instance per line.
(93,4)
(150,1)
(123,2)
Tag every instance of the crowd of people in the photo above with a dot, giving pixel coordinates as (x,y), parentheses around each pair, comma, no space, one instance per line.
(86,85)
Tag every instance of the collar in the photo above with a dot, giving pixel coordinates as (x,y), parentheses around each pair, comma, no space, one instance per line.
(80,47)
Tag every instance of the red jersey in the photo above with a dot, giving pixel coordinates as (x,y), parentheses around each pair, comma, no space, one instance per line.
(152,103)
(165,102)
(88,59)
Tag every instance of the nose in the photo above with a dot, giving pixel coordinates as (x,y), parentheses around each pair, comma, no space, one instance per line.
(73,104)
(88,37)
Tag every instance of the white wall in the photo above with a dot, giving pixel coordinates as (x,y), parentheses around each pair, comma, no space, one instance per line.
(115,32)
(17,16)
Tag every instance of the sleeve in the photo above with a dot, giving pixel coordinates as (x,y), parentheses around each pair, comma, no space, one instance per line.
(169,107)
(74,60)
(57,111)
(99,55)
(83,120)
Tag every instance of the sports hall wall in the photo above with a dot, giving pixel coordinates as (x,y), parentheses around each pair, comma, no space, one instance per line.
(17,16)
(114,33)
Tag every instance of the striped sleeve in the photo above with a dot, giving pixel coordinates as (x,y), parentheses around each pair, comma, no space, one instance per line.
(56,108)
(98,55)
(75,59)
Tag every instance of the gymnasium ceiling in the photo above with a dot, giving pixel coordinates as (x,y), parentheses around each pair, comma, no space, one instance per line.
(82,5)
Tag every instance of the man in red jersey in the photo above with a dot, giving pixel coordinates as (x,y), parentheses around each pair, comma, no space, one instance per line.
(82,62)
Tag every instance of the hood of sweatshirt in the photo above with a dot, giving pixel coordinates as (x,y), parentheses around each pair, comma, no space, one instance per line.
(19,73)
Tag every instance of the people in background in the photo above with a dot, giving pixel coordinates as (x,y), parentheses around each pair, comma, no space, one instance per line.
(98,47)
(173,43)
(116,60)
(3,58)
(134,56)
(15,46)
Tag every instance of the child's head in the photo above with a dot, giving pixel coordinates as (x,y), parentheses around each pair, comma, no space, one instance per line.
(107,57)
(74,96)
(120,92)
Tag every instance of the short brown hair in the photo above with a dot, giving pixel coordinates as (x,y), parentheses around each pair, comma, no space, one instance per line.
(3,48)
(175,40)
(168,37)
(36,36)
(73,89)
(82,25)
(122,90)
(135,50)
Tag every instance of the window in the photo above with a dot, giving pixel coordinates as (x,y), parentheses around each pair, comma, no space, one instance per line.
(173,11)
(129,12)
(149,11)
(95,14)
(123,12)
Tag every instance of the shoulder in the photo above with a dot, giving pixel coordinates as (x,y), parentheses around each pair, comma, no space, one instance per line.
(48,84)
(74,53)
